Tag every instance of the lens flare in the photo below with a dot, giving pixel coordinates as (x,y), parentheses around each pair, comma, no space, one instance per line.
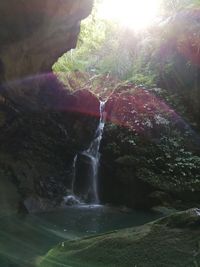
(135,14)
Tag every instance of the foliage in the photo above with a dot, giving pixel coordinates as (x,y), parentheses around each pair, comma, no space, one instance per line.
(173,163)
(156,56)
(94,34)
(165,55)
(166,162)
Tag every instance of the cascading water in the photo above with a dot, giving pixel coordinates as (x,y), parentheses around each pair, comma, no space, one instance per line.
(74,174)
(71,199)
(93,154)
(90,192)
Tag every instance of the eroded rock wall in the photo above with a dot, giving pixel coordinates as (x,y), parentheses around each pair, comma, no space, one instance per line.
(43,125)
(35,33)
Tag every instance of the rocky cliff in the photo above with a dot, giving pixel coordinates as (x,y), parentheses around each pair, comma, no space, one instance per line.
(42,124)
(35,33)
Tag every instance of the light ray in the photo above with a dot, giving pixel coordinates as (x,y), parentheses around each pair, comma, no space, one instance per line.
(135,14)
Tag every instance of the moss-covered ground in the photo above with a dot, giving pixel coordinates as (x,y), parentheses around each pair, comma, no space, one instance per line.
(170,242)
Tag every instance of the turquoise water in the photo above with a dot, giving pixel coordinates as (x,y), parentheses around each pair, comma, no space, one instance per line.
(23,239)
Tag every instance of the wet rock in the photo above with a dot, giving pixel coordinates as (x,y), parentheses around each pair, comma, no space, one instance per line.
(83,181)
(184,219)
(71,200)
(38,147)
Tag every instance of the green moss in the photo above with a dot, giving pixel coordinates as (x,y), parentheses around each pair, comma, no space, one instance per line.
(157,244)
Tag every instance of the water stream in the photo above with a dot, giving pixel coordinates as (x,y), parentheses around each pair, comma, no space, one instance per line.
(74,173)
(90,192)
(93,154)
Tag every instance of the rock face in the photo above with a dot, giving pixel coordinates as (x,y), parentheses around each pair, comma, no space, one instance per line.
(172,241)
(42,124)
(40,137)
(147,147)
(35,33)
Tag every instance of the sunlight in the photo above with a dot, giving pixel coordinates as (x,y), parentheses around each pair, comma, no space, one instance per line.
(135,14)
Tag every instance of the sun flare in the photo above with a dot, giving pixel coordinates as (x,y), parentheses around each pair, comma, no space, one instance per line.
(135,14)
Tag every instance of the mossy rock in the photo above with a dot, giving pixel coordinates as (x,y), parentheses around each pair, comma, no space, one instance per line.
(189,218)
(168,242)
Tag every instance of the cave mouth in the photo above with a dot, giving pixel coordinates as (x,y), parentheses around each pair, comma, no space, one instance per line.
(94,62)
(120,60)
(133,69)
(106,139)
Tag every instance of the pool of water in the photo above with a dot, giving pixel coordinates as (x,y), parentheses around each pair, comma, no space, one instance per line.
(23,239)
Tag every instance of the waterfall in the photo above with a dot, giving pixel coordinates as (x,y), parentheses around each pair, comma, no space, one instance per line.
(71,199)
(86,188)
(74,173)
(93,154)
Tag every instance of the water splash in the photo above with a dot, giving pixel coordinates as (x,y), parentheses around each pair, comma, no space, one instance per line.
(72,199)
